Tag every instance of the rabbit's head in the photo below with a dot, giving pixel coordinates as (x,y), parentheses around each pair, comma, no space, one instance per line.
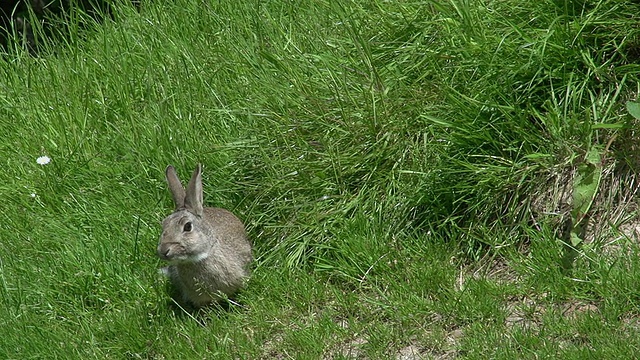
(184,236)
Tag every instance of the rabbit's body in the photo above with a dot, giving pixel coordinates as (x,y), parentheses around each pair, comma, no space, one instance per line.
(207,248)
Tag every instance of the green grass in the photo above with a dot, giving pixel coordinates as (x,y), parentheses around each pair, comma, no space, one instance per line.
(404,171)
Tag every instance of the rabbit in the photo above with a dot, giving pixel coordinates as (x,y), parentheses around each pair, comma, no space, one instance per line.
(208,251)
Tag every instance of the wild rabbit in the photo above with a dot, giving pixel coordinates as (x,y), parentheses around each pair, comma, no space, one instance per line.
(207,248)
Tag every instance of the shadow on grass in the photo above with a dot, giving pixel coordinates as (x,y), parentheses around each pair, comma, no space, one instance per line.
(182,309)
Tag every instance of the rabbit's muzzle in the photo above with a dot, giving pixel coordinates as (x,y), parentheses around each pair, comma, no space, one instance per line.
(167,251)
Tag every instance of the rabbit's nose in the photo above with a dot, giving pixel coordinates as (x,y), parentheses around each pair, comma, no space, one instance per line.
(163,251)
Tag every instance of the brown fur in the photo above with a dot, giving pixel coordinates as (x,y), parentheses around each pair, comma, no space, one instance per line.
(210,259)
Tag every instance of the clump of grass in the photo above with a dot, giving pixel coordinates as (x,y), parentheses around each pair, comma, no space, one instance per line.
(511,113)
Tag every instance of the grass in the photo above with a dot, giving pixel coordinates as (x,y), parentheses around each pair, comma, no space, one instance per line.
(404,171)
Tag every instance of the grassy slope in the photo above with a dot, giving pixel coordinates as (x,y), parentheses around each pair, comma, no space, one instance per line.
(377,151)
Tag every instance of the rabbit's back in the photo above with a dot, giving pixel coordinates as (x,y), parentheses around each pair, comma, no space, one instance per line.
(230,234)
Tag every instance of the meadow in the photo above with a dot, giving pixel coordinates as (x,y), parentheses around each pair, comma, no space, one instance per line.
(420,180)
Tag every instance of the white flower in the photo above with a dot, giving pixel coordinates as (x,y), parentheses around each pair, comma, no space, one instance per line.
(43,160)
(33,195)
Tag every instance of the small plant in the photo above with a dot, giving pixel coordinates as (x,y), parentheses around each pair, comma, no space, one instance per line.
(585,189)
(634,109)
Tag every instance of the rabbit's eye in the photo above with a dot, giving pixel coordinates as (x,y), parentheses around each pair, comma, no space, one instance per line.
(187,227)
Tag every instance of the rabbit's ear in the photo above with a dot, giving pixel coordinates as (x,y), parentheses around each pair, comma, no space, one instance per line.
(193,199)
(177,191)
